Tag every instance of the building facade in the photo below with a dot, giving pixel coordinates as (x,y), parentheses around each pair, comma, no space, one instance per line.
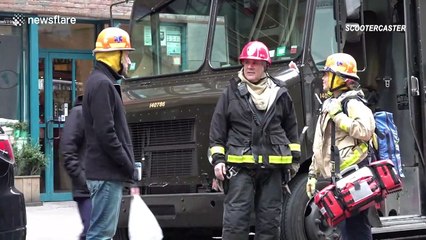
(46,55)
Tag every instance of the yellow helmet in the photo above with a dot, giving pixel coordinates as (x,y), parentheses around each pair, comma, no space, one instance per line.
(113,39)
(343,69)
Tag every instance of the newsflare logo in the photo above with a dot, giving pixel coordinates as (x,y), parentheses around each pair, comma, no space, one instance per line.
(19,20)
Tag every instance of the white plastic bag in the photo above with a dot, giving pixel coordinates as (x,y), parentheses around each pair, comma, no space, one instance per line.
(142,223)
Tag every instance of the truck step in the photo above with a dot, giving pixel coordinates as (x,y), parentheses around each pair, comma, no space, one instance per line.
(401,225)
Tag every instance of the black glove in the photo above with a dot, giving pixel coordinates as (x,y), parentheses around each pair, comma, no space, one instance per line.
(296,156)
(218,158)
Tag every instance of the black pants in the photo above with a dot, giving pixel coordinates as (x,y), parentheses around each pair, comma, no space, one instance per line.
(261,187)
(356,227)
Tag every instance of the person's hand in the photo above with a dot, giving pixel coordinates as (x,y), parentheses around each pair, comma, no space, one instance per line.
(294,66)
(334,107)
(294,168)
(220,171)
(217,185)
(134,191)
(310,186)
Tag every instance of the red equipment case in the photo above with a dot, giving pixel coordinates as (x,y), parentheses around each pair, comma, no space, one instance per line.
(387,176)
(354,193)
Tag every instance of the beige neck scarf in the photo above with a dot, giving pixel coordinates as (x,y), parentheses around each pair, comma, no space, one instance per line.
(262,93)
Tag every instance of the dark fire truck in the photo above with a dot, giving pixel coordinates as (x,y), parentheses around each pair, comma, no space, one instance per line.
(186,52)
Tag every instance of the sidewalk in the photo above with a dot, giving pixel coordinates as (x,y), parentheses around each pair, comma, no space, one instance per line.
(53,221)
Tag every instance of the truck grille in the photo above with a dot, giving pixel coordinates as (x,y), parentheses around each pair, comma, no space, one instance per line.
(167,146)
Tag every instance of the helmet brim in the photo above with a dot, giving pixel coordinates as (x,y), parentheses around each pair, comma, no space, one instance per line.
(343,75)
(112,50)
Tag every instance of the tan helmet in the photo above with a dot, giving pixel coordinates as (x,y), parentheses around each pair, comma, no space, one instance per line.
(343,68)
(113,39)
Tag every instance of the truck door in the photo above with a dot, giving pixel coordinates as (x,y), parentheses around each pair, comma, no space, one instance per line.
(416,73)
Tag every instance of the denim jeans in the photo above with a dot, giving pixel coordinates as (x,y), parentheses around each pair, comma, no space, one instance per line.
(106,200)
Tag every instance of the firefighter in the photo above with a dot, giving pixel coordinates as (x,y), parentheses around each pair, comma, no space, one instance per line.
(353,132)
(253,137)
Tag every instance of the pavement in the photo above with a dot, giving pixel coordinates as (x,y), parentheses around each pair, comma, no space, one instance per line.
(61,221)
(53,221)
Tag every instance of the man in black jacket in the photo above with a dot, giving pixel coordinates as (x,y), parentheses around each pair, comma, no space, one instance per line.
(73,147)
(253,138)
(109,152)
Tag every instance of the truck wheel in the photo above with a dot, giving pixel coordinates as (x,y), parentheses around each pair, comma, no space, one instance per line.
(293,222)
(317,226)
(301,219)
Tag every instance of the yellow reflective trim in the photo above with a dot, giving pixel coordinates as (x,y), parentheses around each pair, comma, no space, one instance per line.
(345,124)
(217,149)
(241,159)
(280,159)
(355,157)
(294,147)
(250,159)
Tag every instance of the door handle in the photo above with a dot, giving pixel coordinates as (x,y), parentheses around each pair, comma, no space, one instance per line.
(415,89)
(51,121)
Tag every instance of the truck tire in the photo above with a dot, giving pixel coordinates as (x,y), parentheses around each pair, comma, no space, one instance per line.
(301,218)
(292,217)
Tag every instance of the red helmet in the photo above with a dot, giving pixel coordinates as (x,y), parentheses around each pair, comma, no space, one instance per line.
(255,50)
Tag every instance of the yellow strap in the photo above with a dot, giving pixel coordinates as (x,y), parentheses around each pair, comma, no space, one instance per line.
(294,147)
(250,159)
(375,141)
(217,149)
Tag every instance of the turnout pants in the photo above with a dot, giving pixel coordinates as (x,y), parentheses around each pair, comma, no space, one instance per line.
(258,189)
(356,227)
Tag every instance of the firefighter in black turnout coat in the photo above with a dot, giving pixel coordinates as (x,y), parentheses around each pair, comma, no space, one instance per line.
(253,138)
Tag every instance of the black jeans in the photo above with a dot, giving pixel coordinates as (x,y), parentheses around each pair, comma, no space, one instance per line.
(258,189)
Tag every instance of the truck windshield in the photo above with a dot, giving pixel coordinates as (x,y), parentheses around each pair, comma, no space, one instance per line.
(277,23)
(170,40)
(324,35)
(170,37)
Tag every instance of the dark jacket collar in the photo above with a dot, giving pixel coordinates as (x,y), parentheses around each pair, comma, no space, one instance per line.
(107,70)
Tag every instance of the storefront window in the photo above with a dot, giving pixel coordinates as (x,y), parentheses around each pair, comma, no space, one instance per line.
(79,36)
(10,70)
